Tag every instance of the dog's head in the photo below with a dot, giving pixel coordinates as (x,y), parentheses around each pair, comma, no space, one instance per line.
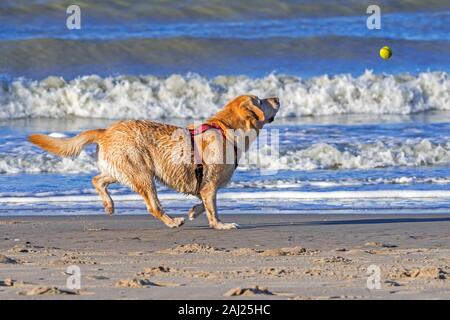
(255,110)
(244,116)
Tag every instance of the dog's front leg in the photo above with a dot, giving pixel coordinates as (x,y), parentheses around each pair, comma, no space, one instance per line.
(196,210)
(208,196)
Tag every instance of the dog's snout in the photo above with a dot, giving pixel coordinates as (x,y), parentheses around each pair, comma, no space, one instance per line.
(275,101)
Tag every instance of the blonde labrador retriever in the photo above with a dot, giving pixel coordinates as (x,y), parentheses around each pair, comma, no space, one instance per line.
(136,152)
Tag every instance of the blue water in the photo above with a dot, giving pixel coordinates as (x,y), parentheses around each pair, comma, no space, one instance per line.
(353,153)
(419,26)
(254,47)
(351,137)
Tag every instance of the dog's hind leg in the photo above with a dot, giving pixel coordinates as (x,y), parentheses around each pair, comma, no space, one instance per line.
(208,195)
(148,191)
(196,210)
(101,182)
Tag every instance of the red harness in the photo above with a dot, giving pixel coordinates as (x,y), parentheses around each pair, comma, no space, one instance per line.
(199,166)
(205,127)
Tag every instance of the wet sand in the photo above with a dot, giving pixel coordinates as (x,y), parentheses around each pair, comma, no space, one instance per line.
(271,257)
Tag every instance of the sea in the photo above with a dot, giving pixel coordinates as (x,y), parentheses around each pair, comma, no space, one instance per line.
(355,133)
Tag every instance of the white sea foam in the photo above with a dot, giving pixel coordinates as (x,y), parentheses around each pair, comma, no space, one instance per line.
(43,163)
(278,185)
(379,154)
(264,195)
(332,184)
(358,156)
(193,96)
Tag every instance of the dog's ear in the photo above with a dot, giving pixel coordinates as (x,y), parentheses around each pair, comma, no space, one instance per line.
(251,108)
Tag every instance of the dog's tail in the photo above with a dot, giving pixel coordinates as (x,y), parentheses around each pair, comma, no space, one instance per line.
(66,147)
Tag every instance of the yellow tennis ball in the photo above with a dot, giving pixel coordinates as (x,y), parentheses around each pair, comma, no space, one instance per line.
(385,52)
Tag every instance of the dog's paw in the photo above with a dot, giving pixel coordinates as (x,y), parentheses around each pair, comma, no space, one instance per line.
(109,210)
(191,214)
(196,211)
(177,222)
(226,226)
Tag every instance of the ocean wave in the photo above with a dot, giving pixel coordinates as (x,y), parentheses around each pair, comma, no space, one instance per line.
(325,185)
(175,10)
(337,183)
(46,163)
(193,96)
(250,196)
(379,154)
(345,26)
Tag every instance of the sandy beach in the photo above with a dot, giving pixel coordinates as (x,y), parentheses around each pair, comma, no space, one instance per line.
(343,195)
(271,257)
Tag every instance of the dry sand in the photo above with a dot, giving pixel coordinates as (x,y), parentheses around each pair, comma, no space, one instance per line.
(272,257)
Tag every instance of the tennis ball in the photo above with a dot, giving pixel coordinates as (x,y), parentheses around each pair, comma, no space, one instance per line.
(385,52)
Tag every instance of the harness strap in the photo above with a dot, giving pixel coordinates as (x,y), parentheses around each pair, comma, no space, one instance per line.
(199,166)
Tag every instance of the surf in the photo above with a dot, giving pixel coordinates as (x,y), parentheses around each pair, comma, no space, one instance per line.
(195,97)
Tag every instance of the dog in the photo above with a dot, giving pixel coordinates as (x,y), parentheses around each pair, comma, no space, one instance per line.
(138,152)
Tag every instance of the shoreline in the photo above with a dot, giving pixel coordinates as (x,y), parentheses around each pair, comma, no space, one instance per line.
(293,256)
